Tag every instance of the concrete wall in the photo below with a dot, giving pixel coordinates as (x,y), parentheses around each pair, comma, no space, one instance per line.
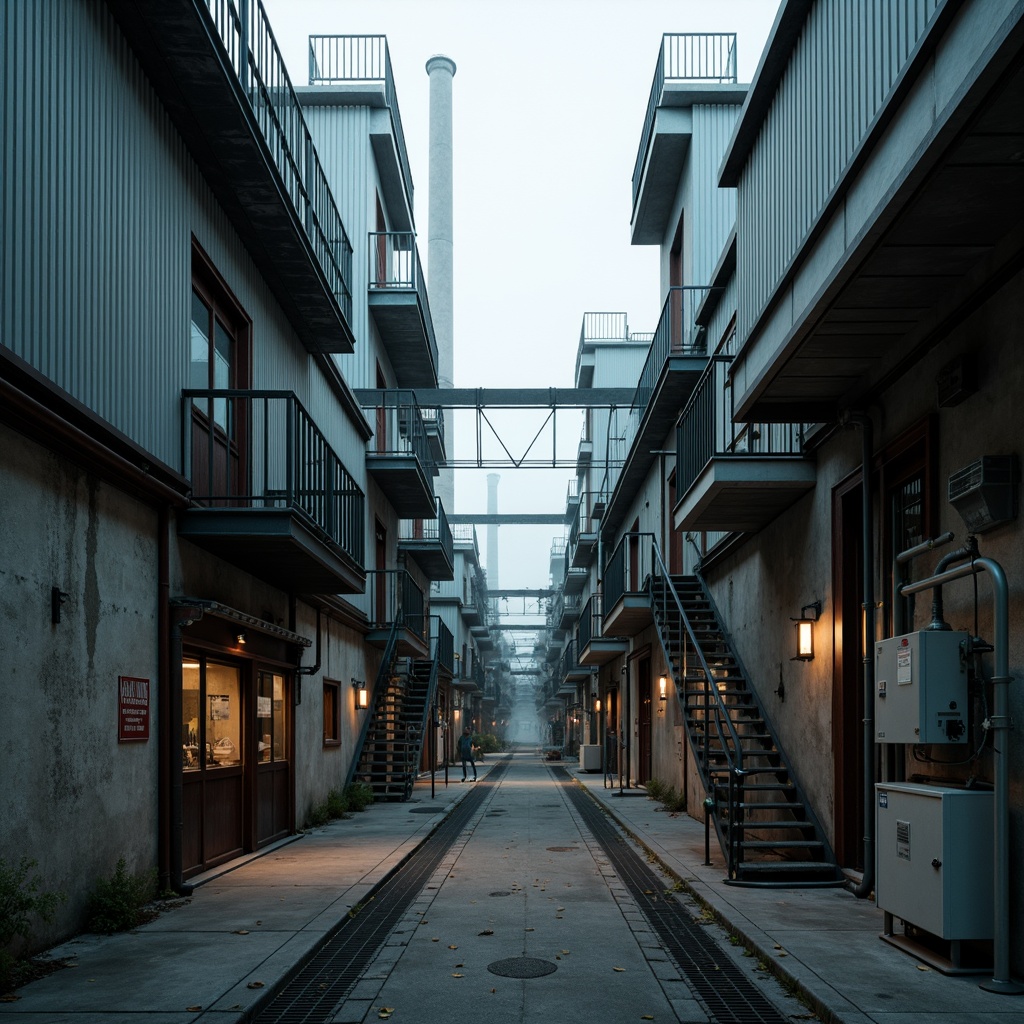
(70,787)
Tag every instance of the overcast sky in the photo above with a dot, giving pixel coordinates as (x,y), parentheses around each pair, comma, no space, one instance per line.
(549,99)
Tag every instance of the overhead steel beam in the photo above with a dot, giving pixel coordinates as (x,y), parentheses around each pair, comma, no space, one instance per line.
(507,519)
(509,398)
(520,593)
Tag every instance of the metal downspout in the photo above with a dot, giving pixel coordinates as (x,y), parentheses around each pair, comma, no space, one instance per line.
(163,685)
(867,882)
(999,722)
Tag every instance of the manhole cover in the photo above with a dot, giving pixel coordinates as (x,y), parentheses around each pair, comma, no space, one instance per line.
(522,967)
(563,849)
(499,893)
(425,810)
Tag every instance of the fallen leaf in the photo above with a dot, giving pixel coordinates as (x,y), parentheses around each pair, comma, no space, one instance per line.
(435,940)
(255,984)
(486,931)
(565,952)
(456,975)
(619,969)
(193,1009)
(921,967)
(242,931)
(494,990)
(777,946)
(453,947)
(460,965)
(560,909)
(10,998)
(647,1016)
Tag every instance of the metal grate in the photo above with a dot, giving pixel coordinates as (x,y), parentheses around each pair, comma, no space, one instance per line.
(727,994)
(325,979)
(522,967)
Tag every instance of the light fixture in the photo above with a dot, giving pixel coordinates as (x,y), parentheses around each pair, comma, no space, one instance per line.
(597,706)
(361,694)
(809,615)
(662,688)
(240,638)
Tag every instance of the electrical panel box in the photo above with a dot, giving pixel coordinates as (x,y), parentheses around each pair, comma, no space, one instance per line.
(921,688)
(934,858)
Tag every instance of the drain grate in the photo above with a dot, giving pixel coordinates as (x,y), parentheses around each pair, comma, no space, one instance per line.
(522,967)
(562,849)
(316,988)
(728,994)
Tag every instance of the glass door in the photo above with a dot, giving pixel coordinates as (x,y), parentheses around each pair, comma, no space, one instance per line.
(273,765)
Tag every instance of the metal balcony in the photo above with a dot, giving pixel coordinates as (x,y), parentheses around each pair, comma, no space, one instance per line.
(675,362)
(626,593)
(216,68)
(429,543)
(400,308)
(395,597)
(734,477)
(596,647)
(691,67)
(270,495)
(398,455)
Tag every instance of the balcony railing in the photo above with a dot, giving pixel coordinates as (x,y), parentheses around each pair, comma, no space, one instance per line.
(247,38)
(395,267)
(590,621)
(706,428)
(442,644)
(337,59)
(400,429)
(261,449)
(685,57)
(569,663)
(436,530)
(393,594)
(628,569)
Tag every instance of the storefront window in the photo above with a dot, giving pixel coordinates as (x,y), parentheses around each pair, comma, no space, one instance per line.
(270,718)
(223,716)
(190,732)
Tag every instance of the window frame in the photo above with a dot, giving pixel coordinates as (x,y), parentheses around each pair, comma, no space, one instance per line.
(332,686)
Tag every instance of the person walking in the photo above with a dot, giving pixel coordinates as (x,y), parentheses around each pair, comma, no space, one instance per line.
(465,748)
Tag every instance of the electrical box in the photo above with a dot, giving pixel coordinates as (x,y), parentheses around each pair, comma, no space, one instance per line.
(590,757)
(934,858)
(921,688)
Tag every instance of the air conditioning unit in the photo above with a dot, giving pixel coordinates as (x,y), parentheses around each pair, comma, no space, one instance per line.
(590,757)
(985,492)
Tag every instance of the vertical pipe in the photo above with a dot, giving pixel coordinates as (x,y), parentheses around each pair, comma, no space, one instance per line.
(168,729)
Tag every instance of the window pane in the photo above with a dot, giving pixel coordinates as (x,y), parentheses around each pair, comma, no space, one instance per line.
(190,735)
(199,346)
(223,716)
(270,714)
(222,375)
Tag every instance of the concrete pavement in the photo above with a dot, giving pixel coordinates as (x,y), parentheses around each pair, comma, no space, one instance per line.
(219,955)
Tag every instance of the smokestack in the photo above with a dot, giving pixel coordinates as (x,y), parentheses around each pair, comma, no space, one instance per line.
(439,242)
(492,531)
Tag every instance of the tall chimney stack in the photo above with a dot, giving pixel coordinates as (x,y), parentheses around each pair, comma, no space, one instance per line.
(492,531)
(439,243)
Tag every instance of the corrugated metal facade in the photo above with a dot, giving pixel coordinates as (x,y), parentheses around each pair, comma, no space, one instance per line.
(844,65)
(714,213)
(99,208)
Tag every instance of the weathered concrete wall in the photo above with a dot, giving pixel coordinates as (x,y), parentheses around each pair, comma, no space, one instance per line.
(76,799)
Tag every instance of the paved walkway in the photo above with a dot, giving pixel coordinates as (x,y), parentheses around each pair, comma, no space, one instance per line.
(217,957)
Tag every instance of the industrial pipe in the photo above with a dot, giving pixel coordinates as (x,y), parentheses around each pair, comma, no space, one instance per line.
(999,721)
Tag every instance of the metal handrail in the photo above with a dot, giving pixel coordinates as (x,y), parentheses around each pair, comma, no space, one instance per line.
(361,58)
(402,599)
(252,51)
(264,450)
(685,57)
(728,738)
(437,530)
(404,430)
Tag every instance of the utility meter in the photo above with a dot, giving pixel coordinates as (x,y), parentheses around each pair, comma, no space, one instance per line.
(921,688)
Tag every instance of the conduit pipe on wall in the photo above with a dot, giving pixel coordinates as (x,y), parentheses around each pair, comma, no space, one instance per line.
(867,882)
(998,722)
(163,689)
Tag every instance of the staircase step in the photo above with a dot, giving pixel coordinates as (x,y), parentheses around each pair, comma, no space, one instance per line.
(788,844)
(787,866)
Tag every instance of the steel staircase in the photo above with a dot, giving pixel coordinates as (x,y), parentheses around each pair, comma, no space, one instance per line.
(391,741)
(766,827)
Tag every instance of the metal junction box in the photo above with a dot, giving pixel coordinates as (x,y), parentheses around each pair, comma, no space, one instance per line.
(934,865)
(921,688)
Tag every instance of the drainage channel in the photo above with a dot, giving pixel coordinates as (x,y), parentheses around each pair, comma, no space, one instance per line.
(729,996)
(326,978)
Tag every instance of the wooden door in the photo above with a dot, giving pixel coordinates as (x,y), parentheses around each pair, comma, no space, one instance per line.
(643,697)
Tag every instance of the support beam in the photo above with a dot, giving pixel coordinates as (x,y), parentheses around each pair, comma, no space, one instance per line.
(509,398)
(507,519)
(548,592)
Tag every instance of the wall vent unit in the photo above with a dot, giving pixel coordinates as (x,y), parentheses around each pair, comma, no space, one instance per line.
(956,382)
(985,492)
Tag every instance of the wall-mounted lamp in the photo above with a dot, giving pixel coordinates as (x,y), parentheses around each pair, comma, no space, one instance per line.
(361,695)
(597,706)
(662,688)
(241,638)
(809,615)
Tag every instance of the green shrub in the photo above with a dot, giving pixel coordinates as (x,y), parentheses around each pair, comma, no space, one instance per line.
(656,789)
(20,901)
(119,903)
(359,796)
(666,795)
(335,806)
(488,743)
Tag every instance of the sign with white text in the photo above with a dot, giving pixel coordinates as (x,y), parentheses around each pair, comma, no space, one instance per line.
(132,709)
